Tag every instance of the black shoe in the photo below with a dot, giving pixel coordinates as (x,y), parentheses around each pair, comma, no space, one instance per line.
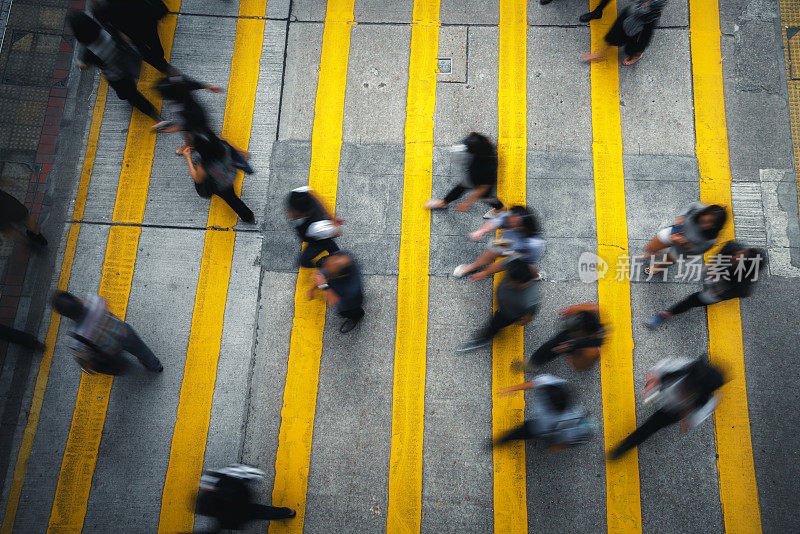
(160,368)
(474,344)
(616,453)
(38,239)
(347,326)
(290,513)
(591,15)
(544,2)
(39,346)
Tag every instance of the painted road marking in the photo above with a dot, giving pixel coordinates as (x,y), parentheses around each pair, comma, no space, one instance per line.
(55,319)
(510,509)
(623,506)
(190,434)
(305,346)
(790,22)
(404,511)
(737,479)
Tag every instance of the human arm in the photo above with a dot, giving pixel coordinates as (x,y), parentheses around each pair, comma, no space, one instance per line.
(335,220)
(487,227)
(490,269)
(477,193)
(197,172)
(586,306)
(519,387)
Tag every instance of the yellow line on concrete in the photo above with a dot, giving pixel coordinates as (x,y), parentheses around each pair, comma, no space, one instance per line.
(200,371)
(737,479)
(623,506)
(55,319)
(404,512)
(83,442)
(510,509)
(305,346)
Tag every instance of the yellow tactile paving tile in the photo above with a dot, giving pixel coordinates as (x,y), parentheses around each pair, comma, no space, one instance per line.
(623,506)
(510,509)
(408,393)
(790,26)
(737,479)
(305,347)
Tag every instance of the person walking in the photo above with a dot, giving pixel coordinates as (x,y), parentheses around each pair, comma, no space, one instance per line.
(632,30)
(192,119)
(481,177)
(730,274)
(118,62)
(213,170)
(339,276)
(224,495)
(693,233)
(596,13)
(558,419)
(517,303)
(579,340)
(683,390)
(100,337)
(521,239)
(314,224)
(18,337)
(13,212)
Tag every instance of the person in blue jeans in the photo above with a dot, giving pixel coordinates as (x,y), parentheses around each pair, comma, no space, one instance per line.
(100,337)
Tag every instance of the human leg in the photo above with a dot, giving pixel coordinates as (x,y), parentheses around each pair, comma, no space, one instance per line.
(126,90)
(265,512)
(524,431)
(149,44)
(654,423)
(546,352)
(18,337)
(692,301)
(352,318)
(482,261)
(134,345)
(237,205)
(596,13)
(454,194)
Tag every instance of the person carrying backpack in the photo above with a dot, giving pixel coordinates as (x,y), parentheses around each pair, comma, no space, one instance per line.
(579,340)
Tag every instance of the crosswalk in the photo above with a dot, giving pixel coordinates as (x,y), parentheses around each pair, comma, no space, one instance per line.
(278,411)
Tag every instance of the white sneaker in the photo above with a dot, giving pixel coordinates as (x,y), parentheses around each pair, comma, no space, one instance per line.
(491,214)
(461,271)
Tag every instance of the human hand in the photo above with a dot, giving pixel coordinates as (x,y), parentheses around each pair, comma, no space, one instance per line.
(81,65)
(311,292)
(337,221)
(476,235)
(318,278)
(678,238)
(462,206)
(564,347)
(215,89)
(477,277)
(333,298)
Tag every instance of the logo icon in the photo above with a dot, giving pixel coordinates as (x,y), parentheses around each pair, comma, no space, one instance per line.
(591,267)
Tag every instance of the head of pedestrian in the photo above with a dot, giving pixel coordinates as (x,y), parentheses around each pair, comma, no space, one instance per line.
(519,273)
(299,203)
(520,218)
(750,262)
(702,380)
(479,145)
(336,266)
(711,219)
(208,146)
(68,305)
(583,323)
(85,29)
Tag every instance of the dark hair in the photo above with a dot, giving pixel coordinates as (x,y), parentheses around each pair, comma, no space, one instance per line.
(84,27)
(67,305)
(300,201)
(751,255)
(479,145)
(559,396)
(528,222)
(209,147)
(519,271)
(587,321)
(703,379)
(720,216)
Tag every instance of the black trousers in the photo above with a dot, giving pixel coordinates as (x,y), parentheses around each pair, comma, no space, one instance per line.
(660,419)
(524,431)
(499,321)
(207,188)
(314,249)
(356,314)
(255,512)
(146,40)
(459,190)
(692,301)
(126,90)
(545,353)
(12,335)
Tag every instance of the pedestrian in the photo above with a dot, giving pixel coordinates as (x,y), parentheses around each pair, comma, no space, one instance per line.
(213,170)
(18,337)
(178,91)
(13,212)
(314,224)
(481,177)
(693,233)
(521,239)
(632,30)
(116,59)
(136,21)
(683,390)
(730,274)
(225,495)
(339,276)
(596,13)
(558,419)
(517,303)
(579,340)
(100,336)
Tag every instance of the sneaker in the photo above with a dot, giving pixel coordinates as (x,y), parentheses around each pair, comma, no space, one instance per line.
(615,453)
(159,369)
(491,214)
(655,321)
(348,325)
(461,271)
(37,239)
(473,344)
(591,15)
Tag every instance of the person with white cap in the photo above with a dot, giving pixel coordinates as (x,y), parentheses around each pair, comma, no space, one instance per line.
(314,224)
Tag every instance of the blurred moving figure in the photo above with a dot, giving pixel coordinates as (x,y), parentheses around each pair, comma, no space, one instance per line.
(730,274)
(558,419)
(632,30)
(481,177)
(596,13)
(579,340)
(314,224)
(683,390)
(224,495)
(13,212)
(178,91)
(339,277)
(18,337)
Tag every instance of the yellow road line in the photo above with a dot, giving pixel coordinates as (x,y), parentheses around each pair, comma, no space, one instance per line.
(404,511)
(83,442)
(200,371)
(790,19)
(305,345)
(623,506)
(510,509)
(737,480)
(55,319)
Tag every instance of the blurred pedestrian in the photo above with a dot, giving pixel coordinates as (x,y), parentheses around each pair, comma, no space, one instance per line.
(13,212)
(693,233)
(517,303)
(521,239)
(314,224)
(579,340)
(730,274)
(177,91)
(632,30)
(117,60)
(213,169)
(225,495)
(558,419)
(596,13)
(683,390)
(481,177)
(100,337)
(18,337)
(339,276)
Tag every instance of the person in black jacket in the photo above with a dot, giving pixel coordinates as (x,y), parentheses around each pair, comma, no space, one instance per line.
(340,278)
(579,340)
(730,274)
(315,226)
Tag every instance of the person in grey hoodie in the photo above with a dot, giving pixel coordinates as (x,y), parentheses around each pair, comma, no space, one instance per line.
(693,233)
